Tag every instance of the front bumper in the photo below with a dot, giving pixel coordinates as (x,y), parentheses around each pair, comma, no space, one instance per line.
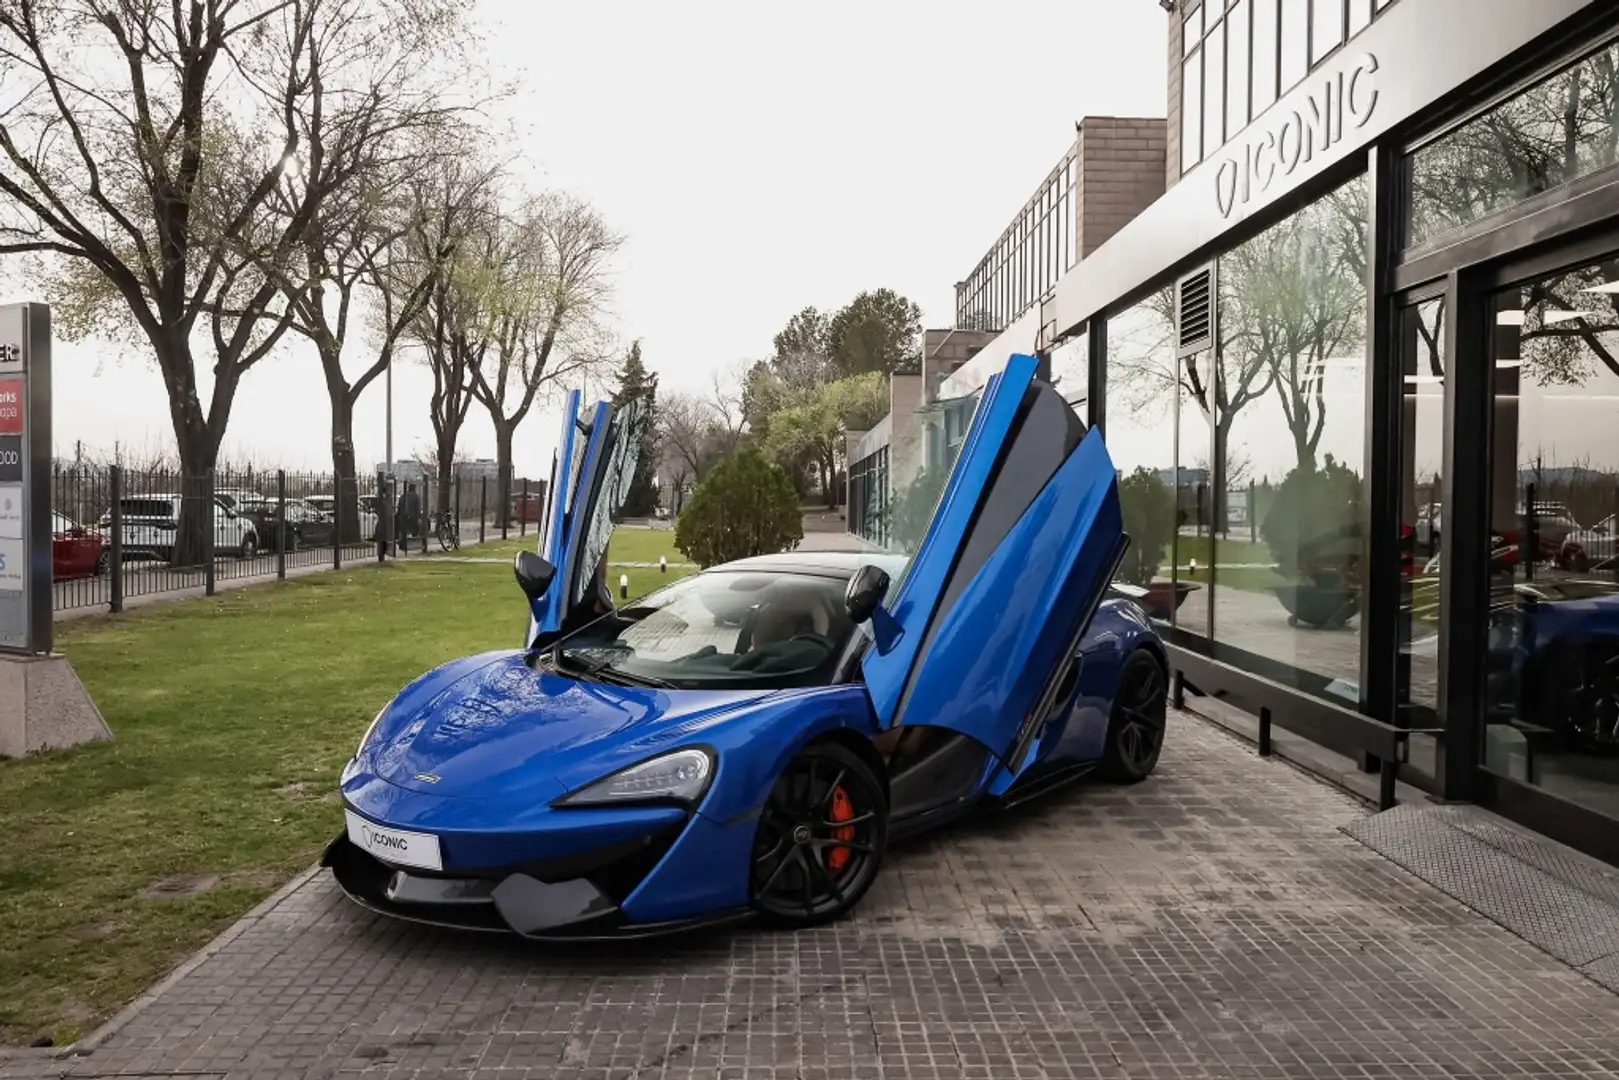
(576,898)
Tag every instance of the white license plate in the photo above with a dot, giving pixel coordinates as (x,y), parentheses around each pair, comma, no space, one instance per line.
(395,846)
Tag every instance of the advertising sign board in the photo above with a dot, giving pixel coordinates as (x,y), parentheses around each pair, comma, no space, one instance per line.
(25,504)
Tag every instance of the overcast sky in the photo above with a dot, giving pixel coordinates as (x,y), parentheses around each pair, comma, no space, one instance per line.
(757,160)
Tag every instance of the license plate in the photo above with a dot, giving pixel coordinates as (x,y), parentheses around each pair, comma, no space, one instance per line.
(396,846)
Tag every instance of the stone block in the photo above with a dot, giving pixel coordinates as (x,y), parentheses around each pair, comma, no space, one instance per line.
(44,706)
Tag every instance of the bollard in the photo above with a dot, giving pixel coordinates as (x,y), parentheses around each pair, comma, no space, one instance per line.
(623,586)
(663,564)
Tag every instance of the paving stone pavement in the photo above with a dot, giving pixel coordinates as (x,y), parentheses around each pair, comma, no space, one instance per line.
(1213,922)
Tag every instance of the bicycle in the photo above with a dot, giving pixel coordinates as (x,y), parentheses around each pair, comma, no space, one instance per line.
(448,530)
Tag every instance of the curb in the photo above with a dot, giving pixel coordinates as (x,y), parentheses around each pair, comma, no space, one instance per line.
(93,1041)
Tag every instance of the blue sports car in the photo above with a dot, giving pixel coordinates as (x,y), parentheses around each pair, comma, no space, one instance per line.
(749,740)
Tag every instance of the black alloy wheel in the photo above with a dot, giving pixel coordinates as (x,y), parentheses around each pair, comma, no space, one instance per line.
(1135,733)
(821,838)
(1582,687)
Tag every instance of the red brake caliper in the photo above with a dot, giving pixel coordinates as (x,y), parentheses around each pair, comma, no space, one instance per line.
(842,810)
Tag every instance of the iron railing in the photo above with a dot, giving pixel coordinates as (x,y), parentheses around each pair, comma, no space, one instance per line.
(120,533)
(1024,264)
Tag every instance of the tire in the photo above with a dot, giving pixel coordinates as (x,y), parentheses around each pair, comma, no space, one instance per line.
(807,869)
(1135,731)
(103,563)
(250,547)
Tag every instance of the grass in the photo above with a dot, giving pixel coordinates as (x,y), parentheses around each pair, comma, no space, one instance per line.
(232,716)
(627,546)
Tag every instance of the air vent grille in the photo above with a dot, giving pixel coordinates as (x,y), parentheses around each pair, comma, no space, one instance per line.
(1194,312)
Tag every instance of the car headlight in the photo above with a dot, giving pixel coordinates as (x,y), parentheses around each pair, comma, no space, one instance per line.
(358,750)
(681,776)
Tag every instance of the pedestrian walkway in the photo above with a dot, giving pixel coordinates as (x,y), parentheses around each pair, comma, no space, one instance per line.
(1215,922)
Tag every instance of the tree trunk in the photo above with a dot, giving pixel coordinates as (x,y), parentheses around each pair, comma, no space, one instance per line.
(199,453)
(446,475)
(503,463)
(347,490)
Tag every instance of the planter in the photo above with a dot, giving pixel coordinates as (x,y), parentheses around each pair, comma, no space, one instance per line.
(1319,606)
(1164,598)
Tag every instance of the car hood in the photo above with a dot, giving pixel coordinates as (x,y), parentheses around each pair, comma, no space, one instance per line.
(489,726)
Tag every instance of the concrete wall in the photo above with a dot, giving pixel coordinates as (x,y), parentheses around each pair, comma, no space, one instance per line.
(944,351)
(1121,163)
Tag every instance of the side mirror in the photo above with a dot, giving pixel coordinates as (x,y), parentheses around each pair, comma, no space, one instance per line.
(865,593)
(864,602)
(534,574)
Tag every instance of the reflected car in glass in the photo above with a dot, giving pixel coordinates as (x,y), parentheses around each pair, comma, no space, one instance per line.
(749,740)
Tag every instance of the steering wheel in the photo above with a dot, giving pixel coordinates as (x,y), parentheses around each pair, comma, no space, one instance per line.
(754,659)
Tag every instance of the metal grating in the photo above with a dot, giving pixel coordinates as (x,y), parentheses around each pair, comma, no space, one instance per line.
(1194,312)
(1554,898)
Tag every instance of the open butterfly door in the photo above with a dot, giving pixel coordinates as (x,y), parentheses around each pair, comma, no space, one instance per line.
(1026,536)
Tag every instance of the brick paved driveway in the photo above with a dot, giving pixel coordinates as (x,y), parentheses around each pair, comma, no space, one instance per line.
(1210,923)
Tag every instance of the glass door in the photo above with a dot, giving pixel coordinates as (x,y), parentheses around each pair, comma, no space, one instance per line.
(1551,654)
(1421,435)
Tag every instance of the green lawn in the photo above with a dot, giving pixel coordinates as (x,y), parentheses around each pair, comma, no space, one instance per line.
(628,546)
(232,716)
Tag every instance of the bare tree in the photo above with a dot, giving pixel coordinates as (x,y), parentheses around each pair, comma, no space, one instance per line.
(360,252)
(686,433)
(727,400)
(546,283)
(151,152)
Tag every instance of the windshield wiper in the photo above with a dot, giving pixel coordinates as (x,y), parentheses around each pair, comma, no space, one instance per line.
(603,668)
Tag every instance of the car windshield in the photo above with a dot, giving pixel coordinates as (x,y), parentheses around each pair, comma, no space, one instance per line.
(720,629)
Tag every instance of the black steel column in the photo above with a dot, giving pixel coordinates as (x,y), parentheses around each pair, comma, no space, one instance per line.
(116,558)
(1464,535)
(1380,488)
(1097,361)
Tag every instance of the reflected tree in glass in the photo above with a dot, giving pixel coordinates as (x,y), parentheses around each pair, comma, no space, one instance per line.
(1560,130)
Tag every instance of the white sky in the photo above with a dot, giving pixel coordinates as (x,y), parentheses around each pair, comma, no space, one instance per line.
(757,159)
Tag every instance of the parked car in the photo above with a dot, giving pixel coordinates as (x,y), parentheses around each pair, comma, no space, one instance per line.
(1553,660)
(528,508)
(327,504)
(76,552)
(1585,550)
(305,526)
(1426,529)
(666,766)
(229,498)
(151,521)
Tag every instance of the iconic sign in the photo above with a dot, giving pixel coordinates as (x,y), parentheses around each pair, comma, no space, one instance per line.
(11,399)
(1342,101)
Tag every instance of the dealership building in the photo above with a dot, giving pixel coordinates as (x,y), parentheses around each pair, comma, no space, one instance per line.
(1349,320)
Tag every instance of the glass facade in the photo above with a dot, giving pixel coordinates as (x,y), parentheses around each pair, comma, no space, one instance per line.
(1239,56)
(1246,523)
(1141,380)
(1563,129)
(868,498)
(1551,662)
(1288,403)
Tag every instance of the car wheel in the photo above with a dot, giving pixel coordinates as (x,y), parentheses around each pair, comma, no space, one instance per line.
(103,563)
(1135,731)
(821,838)
(250,546)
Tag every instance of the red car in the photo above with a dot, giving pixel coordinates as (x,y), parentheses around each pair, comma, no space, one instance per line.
(76,552)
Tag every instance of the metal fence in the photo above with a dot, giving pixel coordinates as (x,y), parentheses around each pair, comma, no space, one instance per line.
(120,533)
